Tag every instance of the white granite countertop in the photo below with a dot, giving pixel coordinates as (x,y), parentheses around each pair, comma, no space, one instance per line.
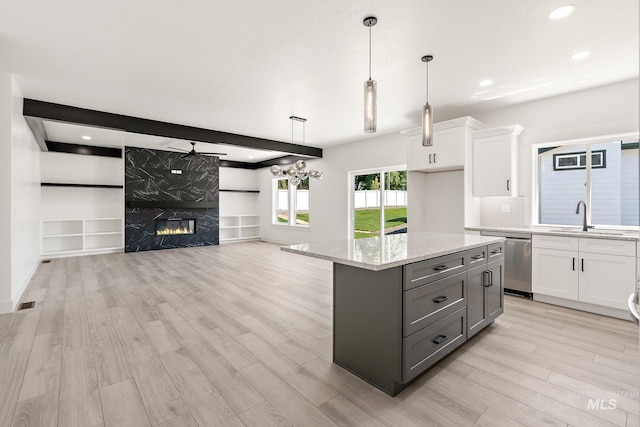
(594,233)
(382,252)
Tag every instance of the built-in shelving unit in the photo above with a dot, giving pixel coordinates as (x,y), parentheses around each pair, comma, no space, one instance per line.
(235,228)
(71,237)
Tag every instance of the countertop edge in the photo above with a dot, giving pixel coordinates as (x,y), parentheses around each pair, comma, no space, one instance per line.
(535,230)
(392,264)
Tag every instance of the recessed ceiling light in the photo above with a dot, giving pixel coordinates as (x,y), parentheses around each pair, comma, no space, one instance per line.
(580,55)
(86,137)
(562,12)
(251,157)
(487,82)
(582,81)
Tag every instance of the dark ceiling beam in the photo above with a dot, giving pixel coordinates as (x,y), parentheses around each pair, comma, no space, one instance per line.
(90,150)
(64,113)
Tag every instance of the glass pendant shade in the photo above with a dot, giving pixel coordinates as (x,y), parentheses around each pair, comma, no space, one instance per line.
(296,173)
(370,105)
(427,126)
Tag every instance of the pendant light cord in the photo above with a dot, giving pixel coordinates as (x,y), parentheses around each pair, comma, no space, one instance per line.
(427,92)
(369,52)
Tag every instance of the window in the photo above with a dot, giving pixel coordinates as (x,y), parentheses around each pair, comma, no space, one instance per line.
(579,160)
(291,203)
(608,183)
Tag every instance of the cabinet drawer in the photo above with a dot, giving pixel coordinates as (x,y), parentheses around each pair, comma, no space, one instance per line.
(496,251)
(477,256)
(427,271)
(427,346)
(555,242)
(608,246)
(429,303)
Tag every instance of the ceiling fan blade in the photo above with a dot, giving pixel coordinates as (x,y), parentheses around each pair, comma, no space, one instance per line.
(213,154)
(179,149)
(186,155)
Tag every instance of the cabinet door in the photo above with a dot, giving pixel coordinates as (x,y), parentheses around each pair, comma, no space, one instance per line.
(492,166)
(495,290)
(555,273)
(418,155)
(476,305)
(448,149)
(446,153)
(606,280)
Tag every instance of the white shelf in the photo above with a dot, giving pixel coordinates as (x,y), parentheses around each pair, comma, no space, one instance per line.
(69,237)
(235,228)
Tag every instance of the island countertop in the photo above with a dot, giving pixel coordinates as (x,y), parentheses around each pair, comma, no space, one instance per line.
(393,250)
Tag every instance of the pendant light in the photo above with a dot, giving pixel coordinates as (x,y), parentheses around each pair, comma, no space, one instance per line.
(427,115)
(370,88)
(296,173)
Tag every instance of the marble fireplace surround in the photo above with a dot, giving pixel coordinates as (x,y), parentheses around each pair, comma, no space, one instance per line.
(162,185)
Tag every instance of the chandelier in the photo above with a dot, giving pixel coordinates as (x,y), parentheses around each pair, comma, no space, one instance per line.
(297,172)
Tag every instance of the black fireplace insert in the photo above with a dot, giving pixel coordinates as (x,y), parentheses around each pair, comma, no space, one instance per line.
(175,226)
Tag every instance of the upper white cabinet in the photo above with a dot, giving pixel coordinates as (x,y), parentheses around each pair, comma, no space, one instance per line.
(495,161)
(448,149)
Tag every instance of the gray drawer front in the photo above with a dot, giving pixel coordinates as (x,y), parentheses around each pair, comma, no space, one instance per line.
(496,251)
(429,303)
(421,350)
(423,272)
(477,256)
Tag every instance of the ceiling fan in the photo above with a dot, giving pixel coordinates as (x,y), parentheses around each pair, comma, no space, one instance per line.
(193,152)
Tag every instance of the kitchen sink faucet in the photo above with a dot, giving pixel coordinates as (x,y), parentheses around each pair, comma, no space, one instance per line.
(584,218)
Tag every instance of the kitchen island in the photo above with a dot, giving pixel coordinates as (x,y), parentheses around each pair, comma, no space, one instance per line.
(402,302)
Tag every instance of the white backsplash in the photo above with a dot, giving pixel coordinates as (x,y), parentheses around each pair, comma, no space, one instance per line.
(502,212)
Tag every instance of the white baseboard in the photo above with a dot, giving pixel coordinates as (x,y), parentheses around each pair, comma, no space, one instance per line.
(577,305)
(25,283)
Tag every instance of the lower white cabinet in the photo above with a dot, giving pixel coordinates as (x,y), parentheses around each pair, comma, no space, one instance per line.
(596,271)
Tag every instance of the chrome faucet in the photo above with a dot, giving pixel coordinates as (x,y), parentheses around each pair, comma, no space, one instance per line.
(584,218)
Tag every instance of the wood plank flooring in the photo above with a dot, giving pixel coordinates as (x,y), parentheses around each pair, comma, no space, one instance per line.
(240,334)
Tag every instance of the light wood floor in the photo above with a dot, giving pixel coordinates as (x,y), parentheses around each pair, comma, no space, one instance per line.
(240,334)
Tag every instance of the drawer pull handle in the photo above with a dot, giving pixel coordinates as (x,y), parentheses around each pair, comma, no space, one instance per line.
(477,257)
(496,252)
(440,268)
(440,339)
(487,278)
(440,299)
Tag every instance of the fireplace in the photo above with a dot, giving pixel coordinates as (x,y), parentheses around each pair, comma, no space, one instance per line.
(175,226)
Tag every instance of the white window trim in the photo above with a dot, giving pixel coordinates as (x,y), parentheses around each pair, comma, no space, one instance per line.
(351,202)
(624,137)
(292,206)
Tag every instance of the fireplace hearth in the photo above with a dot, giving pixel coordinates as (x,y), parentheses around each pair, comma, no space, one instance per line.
(175,227)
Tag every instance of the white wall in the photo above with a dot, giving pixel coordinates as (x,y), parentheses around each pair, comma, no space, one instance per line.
(5,193)
(604,110)
(79,202)
(238,203)
(19,197)
(328,197)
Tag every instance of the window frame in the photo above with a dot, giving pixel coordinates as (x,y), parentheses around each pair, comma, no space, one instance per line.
(292,205)
(625,138)
(579,155)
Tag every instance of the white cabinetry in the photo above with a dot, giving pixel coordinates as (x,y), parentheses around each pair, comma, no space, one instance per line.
(495,160)
(448,149)
(71,237)
(239,227)
(588,270)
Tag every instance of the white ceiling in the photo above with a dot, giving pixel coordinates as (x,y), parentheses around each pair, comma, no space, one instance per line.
(246,66)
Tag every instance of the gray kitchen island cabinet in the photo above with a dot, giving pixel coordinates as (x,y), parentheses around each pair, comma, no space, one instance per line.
(402,302)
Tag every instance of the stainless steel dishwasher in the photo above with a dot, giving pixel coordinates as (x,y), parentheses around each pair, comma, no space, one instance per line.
(517,262)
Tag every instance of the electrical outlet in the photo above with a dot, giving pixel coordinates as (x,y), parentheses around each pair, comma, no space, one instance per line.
(506,208)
